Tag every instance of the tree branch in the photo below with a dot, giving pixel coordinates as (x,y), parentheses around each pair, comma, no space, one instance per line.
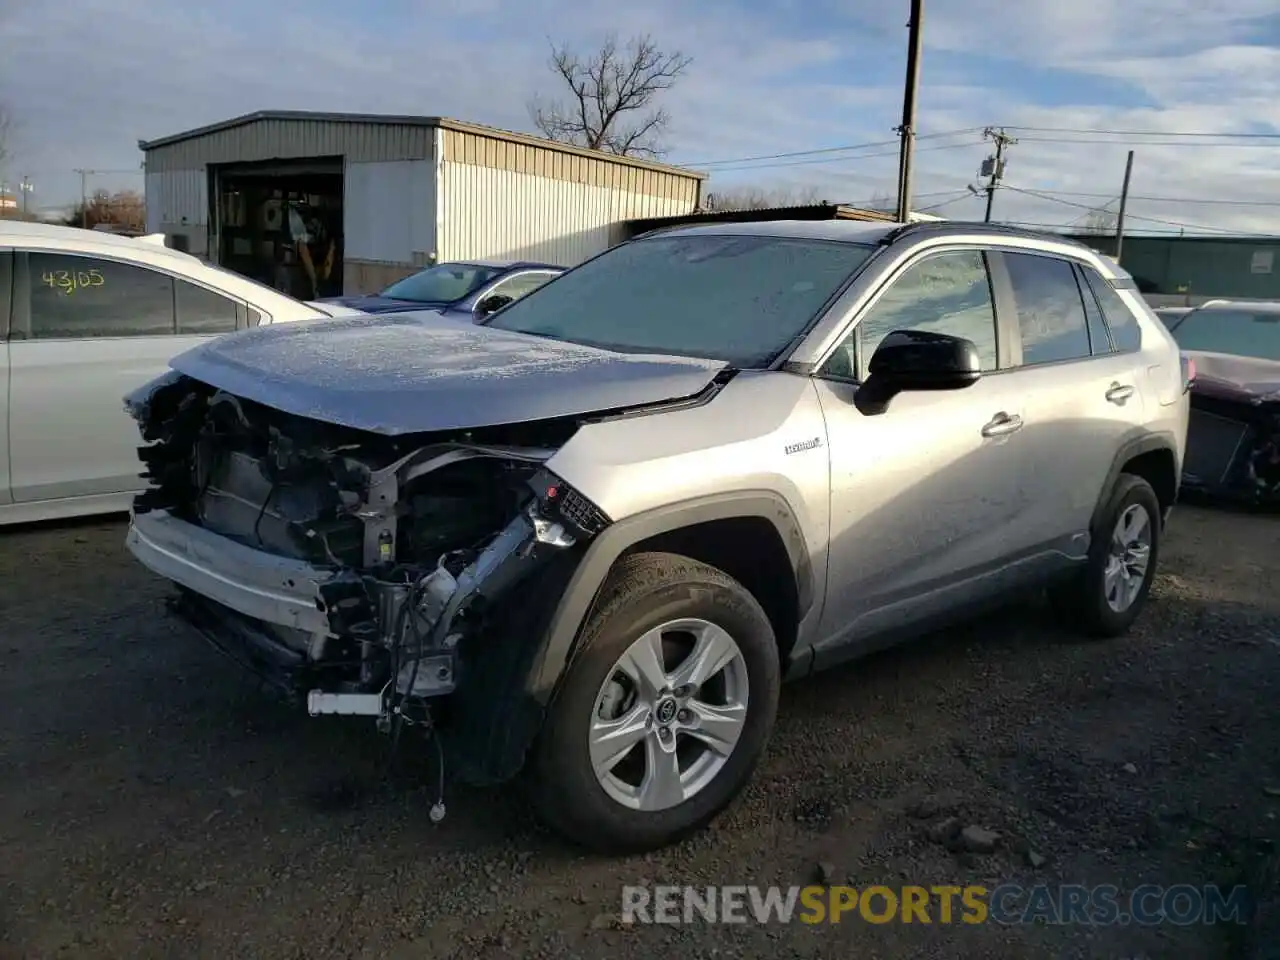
(611,97)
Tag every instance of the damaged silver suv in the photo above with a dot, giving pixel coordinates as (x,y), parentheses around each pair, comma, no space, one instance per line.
(589,538)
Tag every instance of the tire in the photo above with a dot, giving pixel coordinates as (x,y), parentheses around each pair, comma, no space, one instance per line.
(1082,601)
(644,592)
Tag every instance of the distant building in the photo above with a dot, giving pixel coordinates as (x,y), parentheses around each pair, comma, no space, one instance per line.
(378,197)
(1194,269)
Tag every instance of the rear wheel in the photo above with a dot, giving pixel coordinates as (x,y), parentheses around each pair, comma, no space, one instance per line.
(1107,595)
(665,711)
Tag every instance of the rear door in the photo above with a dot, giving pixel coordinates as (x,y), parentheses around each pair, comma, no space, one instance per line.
(1081,395)
(88,330)
(6,297)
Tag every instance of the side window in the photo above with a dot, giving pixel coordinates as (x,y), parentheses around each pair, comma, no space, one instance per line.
(6,291)
(519,285)
(1099,336)
(75,297)
(1125,332)
(202,311)
(1050,311)
(945,293)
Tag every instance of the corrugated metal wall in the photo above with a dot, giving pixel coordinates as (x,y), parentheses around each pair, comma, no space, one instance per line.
(178,203)
(294,139)
(505,200)
(389,222)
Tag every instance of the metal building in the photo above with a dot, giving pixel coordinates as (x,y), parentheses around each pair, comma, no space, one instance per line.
(377,197)
(1191,270)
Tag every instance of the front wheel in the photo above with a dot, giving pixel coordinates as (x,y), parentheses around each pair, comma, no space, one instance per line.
(1107,595)
(663,713)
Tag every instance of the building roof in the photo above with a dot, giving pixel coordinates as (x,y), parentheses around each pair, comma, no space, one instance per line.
(444,123)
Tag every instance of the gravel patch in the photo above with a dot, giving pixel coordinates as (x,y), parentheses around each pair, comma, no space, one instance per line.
(155,803)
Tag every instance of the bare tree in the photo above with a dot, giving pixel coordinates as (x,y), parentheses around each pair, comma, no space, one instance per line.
(882,201)
(610,104)
(1100,222)
(756,198)
(124,209)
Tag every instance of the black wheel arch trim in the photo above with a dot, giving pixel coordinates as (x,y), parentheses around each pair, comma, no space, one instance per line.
(1129,449)
(578,598)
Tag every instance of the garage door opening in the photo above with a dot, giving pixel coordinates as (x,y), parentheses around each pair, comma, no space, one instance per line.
(280,224)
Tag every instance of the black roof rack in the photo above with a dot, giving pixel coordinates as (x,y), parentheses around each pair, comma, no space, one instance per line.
(975,226)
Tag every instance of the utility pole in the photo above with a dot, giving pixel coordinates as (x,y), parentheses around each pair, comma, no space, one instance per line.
(907,130)
(1124,201)
(84,197)
(26,187)
(993,167)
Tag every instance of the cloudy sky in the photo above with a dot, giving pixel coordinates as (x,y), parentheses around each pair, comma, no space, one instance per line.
(1193,86)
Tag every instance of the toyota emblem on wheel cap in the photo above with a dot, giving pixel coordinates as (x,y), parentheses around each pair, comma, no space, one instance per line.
(666,711)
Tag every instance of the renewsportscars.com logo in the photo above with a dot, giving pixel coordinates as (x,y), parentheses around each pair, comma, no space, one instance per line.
(1006,904)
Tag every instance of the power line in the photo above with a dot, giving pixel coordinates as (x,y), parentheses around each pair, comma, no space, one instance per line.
(955,198)
(824,150)
(1172,223)
(842,158)
(1139,232)
(1226,203)
(1153,143)
(1147,133)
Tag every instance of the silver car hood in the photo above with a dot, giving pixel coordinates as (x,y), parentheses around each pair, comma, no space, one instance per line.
(395,374)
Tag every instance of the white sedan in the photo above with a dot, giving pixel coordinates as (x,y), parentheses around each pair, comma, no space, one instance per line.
(86,317)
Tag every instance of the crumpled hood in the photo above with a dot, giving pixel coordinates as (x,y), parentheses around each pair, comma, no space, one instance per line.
(1236,378)
(398,374)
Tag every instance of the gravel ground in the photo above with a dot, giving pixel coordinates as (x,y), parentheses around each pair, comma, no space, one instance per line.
(153,803)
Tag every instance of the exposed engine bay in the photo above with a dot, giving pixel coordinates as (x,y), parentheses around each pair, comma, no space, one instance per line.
(1233,438)
(410,549)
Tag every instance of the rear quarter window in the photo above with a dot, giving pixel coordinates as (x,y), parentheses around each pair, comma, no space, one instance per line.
(1126,335)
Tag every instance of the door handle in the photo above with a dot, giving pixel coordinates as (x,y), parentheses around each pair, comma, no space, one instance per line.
(1002,424)
(1119,392)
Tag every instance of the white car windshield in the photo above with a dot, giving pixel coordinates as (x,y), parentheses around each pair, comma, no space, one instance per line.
(740,299)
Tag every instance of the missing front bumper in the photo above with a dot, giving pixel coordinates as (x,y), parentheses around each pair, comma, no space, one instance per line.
(260,585)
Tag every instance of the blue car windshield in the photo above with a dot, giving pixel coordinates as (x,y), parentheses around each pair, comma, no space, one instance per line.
(1237,331)
(443,283)
(730,297)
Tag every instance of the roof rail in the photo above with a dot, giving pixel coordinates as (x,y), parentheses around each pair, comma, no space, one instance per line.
(967,226)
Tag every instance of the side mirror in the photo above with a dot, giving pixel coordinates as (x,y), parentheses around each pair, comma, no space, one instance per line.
(910,360)
(492,304)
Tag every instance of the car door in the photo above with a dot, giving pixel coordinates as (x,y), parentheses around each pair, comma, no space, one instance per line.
(87,331)
(1081,397)
(6,298)
(923,495)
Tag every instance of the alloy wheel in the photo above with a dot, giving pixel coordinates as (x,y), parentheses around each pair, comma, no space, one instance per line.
(669,714)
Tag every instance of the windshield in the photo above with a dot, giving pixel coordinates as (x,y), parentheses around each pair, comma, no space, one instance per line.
(1243,333)
(739,299)
(443,283)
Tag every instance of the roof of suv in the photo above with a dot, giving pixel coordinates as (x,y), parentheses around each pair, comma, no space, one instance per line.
(856,231)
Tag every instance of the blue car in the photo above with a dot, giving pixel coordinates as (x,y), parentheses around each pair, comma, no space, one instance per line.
(472,289)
